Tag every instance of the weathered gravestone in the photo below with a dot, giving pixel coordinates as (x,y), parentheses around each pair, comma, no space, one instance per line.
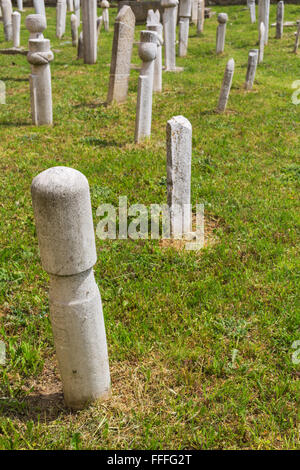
(226,86)
(279,20)
(157,78)
(179,157)
(61,12)
(263,16)
(251,4)
(261,41)
(39,56)
(89,29)
(169,24)
(185,9)
(121,55)
(147,52)
(16,25)
(200,18)
(74,30)
(251,69)
(221,32)
(63,216)
(6,18)
(105,6)
(297,39)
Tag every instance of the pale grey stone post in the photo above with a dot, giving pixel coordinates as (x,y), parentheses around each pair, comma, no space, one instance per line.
(20,5)
(121,55)
(251,5)
(169,25)
(39,56)
(194,13)
(200,18)
(70,5)
(185,10)
(279,20)
(6,7)
(35,24)
(77,10)
(261,41)
(251,69)
(61,13)
(99,25)
(179,157)
(74,30)
(105,6)
(80,46)
(263,16)
(63,216)
(147,52)
(16,25)
(297,39)
(226,86)
(157,78)
(89,29)
(39,6)
(221,32)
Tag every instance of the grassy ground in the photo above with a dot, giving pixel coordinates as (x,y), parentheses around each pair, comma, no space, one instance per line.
(173,318)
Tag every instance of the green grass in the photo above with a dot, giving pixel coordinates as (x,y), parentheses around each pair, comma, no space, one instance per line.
(173,318)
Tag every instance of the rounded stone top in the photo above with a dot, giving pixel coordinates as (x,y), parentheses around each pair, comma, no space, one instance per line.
(230,64)
(64,223)
(104,4)
(222,17)
(35,23)
(148,45)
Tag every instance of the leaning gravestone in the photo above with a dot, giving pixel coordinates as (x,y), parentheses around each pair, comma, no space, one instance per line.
(179,157)
(89,29)
(226,86)
(221,32)
(39,56)
(251,69)
(64,223)
(185,9)
(121,55)
(147,52)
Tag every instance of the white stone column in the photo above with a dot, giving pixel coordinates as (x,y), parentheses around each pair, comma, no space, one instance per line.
(261,41)
(226,86)
(70,5)
(221,32)
(169,25)
(61,13)
(200,18)
(77,10)
(7,20)
(251,5)
(147,53)
(89,29)
(297,39)
(16,25)
(194,12)
(39,56)
(279,20)
(74,30)
(157,78)
(63,216)
(179,157)
(251,69)
(20,5)
(185,10)
(105,6)
(39,6)
(263,16)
